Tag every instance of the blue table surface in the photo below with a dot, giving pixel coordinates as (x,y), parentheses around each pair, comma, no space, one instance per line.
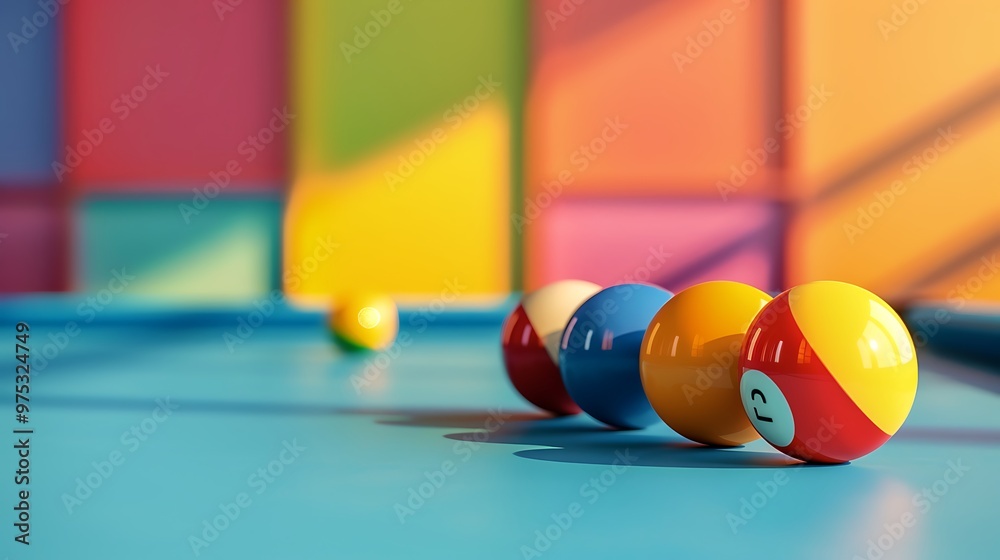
(151,425)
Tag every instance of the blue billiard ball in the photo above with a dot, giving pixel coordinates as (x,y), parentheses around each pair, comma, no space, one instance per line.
(599,354)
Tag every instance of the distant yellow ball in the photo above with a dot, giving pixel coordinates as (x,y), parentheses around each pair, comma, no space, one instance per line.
(364,321)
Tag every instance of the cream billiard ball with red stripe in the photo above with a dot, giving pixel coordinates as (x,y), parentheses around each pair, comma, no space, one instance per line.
(530,341)
(828,372)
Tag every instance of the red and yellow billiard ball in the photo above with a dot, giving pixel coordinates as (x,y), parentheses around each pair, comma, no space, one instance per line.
(689,360)
(530,343)
(828,372)
(364,321)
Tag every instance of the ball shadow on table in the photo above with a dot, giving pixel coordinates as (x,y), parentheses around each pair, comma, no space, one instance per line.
(578,439)
(442,418)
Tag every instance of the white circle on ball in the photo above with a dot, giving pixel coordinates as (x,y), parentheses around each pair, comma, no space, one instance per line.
(767,408)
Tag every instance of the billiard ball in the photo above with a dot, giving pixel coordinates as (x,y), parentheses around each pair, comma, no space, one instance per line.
(689,360)
(828,372)
(599,354)
(364,321)
(530,343)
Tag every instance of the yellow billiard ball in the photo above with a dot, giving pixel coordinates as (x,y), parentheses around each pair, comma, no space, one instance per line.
(689,361)
(364,321)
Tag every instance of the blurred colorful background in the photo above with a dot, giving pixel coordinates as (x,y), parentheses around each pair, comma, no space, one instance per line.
(213,150)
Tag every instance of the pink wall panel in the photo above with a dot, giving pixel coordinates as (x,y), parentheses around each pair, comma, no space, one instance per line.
(33,251)
(672,243)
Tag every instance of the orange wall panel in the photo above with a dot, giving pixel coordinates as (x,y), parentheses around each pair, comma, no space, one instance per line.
(909,221)
(650,97)
(893,69)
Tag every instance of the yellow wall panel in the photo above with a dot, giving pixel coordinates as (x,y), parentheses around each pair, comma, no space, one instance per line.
(415,233)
